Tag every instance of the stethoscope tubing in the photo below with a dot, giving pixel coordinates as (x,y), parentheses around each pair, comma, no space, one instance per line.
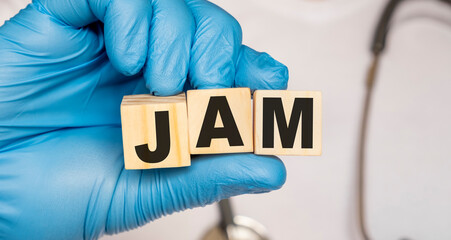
(377,47)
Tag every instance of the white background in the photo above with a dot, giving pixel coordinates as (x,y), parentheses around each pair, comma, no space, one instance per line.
(325,44)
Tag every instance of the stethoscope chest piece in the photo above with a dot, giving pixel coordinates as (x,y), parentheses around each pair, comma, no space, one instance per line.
(243,228)
(233,227)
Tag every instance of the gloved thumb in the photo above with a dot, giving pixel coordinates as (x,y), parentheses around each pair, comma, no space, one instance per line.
(142,196)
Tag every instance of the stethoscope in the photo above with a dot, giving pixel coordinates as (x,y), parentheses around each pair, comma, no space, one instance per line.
(377,47)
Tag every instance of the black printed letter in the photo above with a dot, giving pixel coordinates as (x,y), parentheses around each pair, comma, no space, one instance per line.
(208,130)
(163,141)
(273,106)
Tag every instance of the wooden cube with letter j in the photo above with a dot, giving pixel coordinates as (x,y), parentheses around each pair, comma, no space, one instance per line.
(155,131)
(220,120)
(287,122)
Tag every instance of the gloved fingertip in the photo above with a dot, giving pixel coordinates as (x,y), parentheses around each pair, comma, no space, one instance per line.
(212,73)
(271,174)
(128,66)
(276,72)
(258,70)
(126,53)
(165,87)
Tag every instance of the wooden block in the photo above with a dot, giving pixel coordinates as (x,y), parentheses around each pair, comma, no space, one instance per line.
(220,120)
(287,122)
(155,131)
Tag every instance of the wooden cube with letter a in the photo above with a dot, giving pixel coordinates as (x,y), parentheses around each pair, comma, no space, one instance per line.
(155,131)
(287,122)
(220,120)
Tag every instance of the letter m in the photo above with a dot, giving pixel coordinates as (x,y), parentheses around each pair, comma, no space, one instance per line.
(273,108)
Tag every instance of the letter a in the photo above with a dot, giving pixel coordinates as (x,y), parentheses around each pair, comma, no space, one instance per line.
(230,130)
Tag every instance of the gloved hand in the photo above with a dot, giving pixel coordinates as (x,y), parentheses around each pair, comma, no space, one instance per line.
(64,67)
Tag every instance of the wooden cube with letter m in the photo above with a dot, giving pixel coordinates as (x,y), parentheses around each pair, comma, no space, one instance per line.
(287,122)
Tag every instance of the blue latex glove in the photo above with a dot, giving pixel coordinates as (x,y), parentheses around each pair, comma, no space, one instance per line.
(64,67)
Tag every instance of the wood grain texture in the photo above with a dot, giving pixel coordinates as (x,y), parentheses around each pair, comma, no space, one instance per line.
(239,100)
(138,127)
(287,99)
